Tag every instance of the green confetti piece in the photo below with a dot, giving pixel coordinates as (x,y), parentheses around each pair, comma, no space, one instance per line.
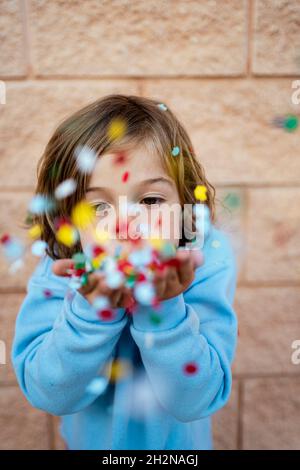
(232,200)
(84,279)
(79,260)
(291,123)
(156,319)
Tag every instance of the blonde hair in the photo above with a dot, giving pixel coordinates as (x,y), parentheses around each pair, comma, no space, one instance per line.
(146,119)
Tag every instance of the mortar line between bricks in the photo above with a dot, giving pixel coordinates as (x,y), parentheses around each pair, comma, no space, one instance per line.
(82,78)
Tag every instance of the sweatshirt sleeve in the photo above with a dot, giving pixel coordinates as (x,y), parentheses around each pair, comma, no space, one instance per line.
(189,360)
(60,345)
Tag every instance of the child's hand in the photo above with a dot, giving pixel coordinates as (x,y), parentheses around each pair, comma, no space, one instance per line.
(95,286)
(175,279)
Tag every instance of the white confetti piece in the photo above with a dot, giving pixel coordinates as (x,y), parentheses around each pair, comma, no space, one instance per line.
(38,248)
(65,189)
(86,159)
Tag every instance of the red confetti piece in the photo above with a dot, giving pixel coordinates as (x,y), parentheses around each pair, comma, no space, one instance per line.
(5,238)
(97,250)
(120,158)
(47,293)
(141,277)
(125,176)
(190,368)
(105,314)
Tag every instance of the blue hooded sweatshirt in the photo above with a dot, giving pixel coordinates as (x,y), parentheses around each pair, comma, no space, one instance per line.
(173,374)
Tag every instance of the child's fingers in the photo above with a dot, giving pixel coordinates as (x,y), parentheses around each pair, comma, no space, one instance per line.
(160,283)
(61,267)
(93,280)
(186,267)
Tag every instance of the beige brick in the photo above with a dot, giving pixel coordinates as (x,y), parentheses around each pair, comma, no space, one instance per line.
(230,123)
(273,235)
(33,111)
(225,423)
(138,38)
(271,417)
(21,426)
(12,59)
(230,210)
(276,37)
(268,325)
(13,208)
(10,304)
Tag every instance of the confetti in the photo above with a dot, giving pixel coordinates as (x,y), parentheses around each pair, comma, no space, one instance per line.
(175,151)
(67,235)
(40,204)
(16,266)
(291,123)
(232,201)
(116,129)
(120,158)
(200,193)
(13,248)
(86,159)
(162,107)
(38,248)
(35,231)
(118,369)
(144,293)
(190,368)
(65,189)
(114,279)
(125,176)
(83,215)
(97,385)
(156,319)
(47,293)
(215,244)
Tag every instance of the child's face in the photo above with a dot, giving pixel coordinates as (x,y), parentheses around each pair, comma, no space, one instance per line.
(140,180)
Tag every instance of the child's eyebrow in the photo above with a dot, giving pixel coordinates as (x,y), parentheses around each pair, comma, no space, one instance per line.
(160,179)
(98,189)
(148,181)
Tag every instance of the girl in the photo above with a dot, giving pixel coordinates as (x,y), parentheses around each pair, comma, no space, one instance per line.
(126,381)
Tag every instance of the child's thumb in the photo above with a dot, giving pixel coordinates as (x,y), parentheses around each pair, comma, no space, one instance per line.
(61,267)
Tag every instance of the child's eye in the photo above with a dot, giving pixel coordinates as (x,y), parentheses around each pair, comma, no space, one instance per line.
(101,207)
(148,201)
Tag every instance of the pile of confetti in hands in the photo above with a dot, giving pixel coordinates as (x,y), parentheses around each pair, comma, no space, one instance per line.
(145,272)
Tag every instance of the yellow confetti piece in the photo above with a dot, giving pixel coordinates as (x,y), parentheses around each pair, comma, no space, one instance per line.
(156,243)
(117,370)
(96,262)
(116,129)
(83,215)
(200,193)
(35,231)
(67,235)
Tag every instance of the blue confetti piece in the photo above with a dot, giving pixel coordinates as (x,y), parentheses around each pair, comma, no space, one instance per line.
(175,151)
